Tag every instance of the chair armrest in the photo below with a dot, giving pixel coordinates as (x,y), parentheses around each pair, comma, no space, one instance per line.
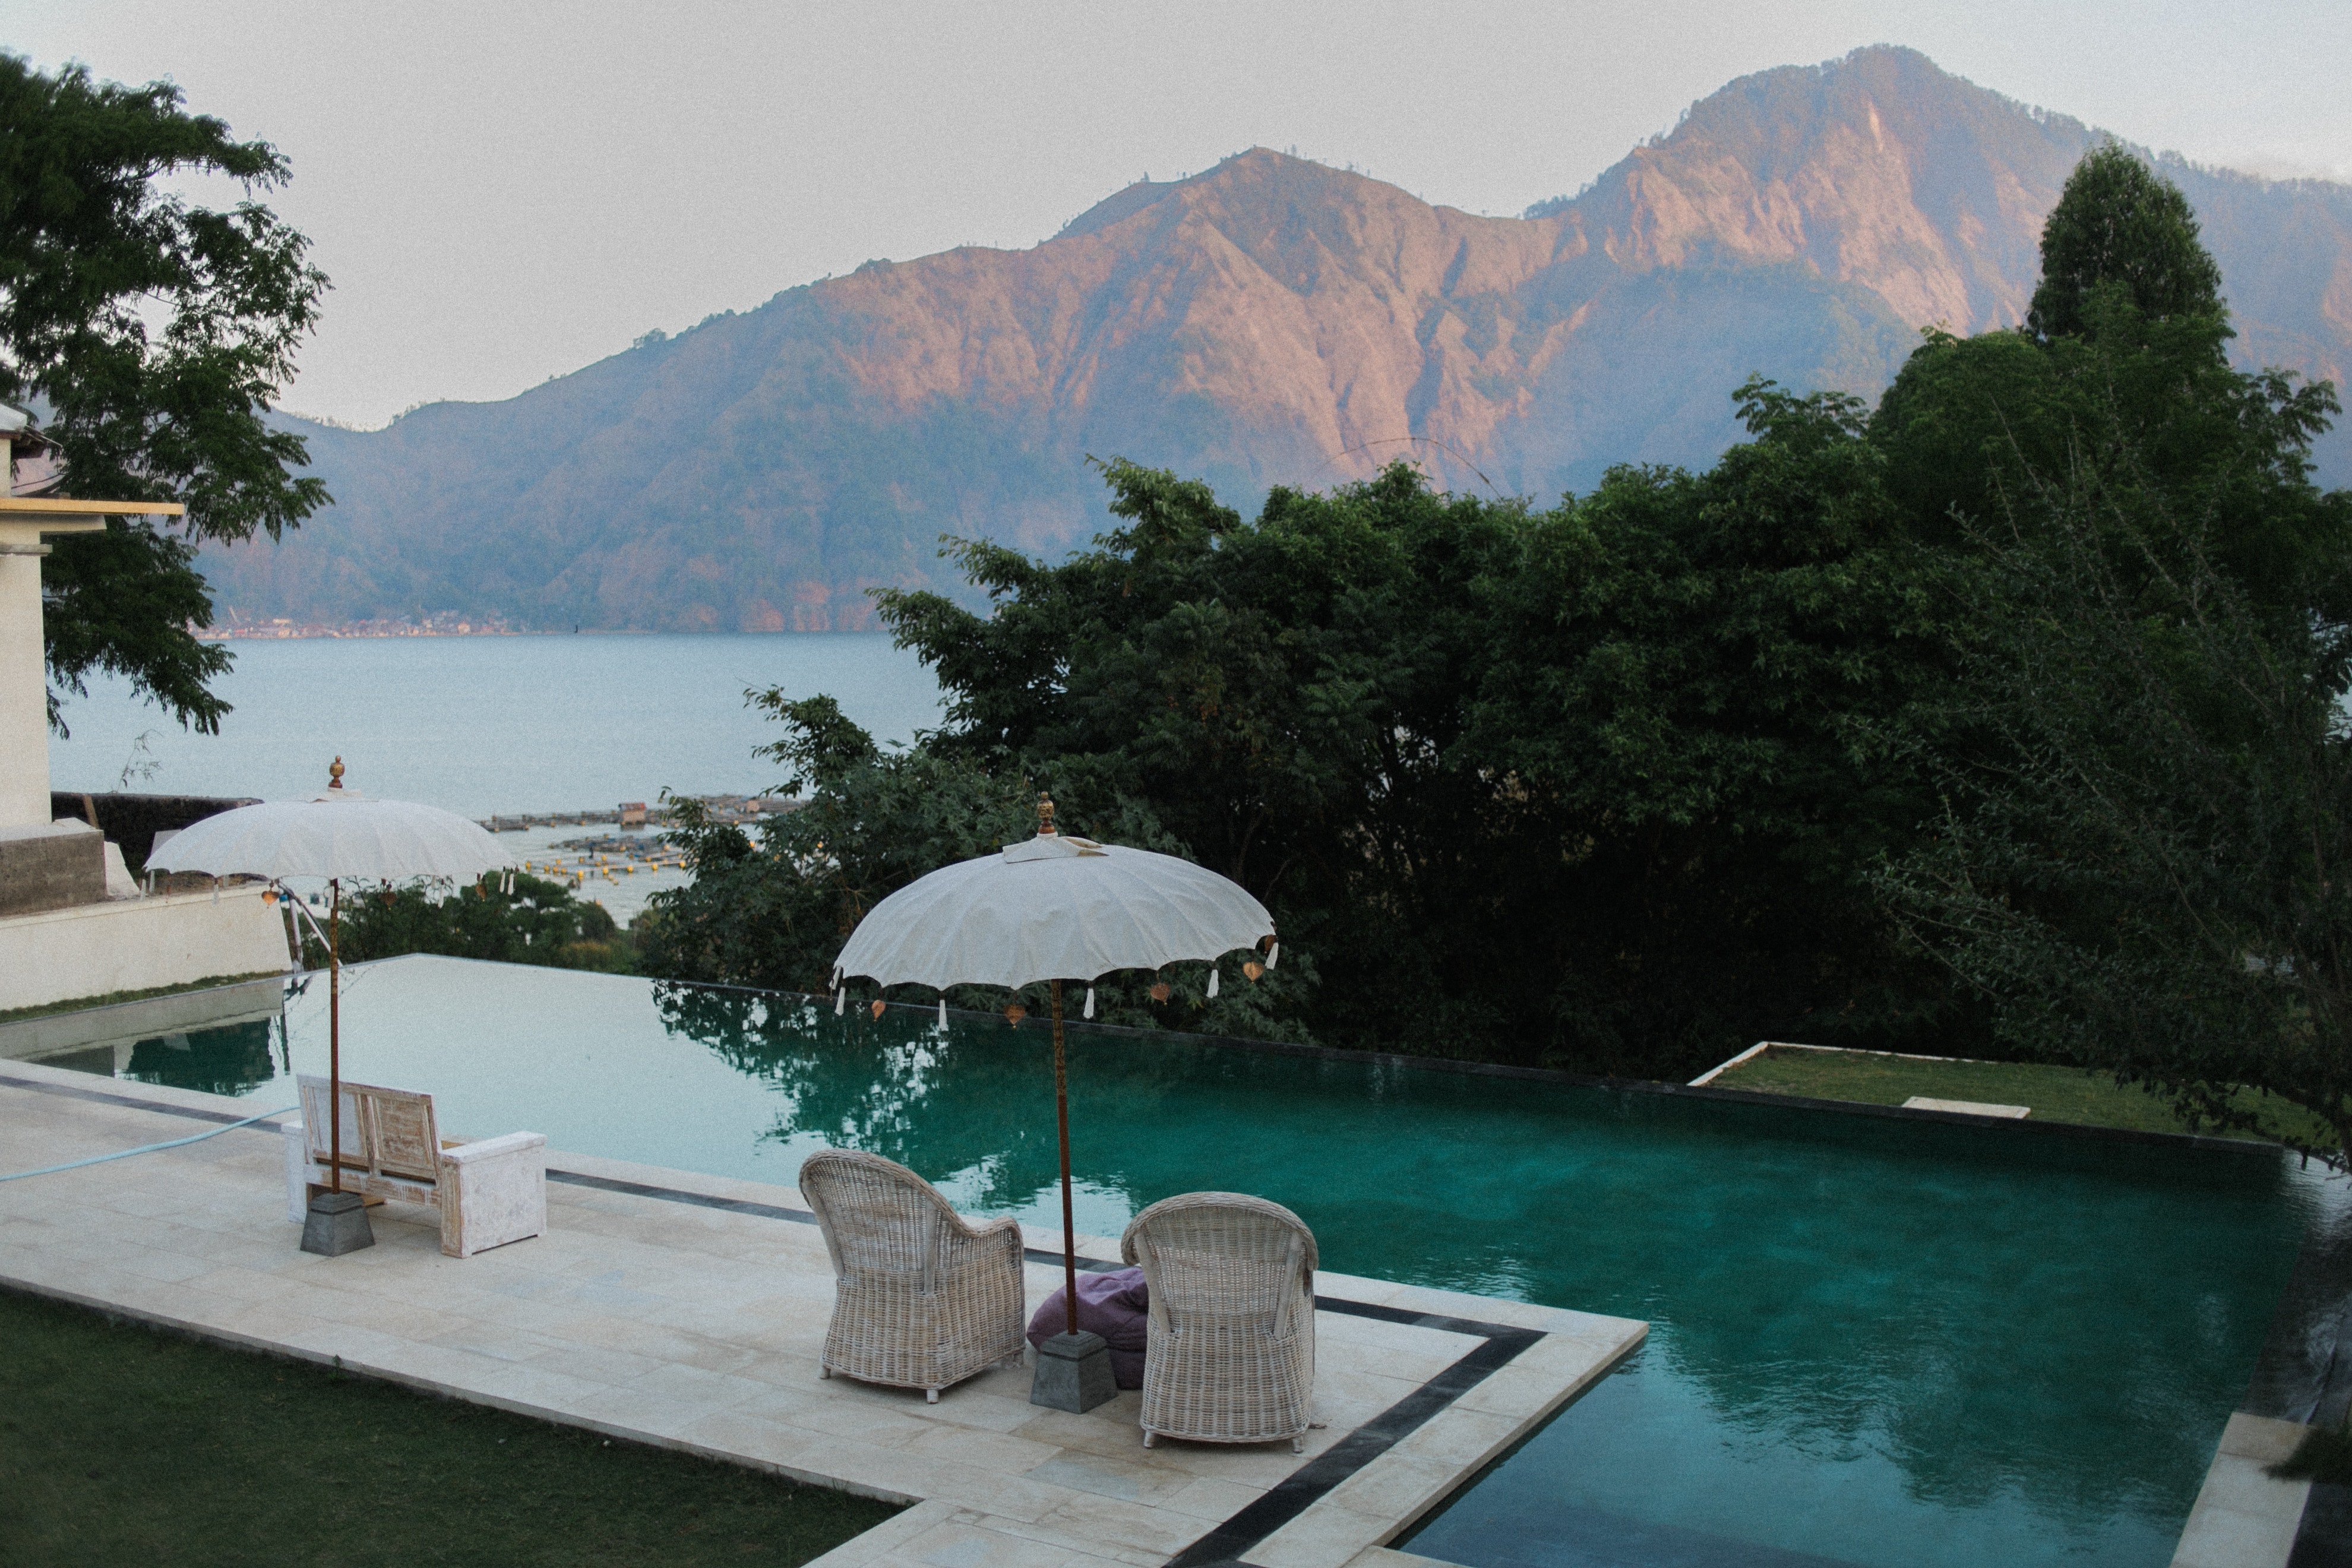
(968,1239)
(965,1228)
(492,1148)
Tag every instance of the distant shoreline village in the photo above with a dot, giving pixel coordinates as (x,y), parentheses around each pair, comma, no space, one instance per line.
(729,809)
(446,624)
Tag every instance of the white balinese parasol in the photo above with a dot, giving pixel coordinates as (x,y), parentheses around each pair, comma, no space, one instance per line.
(336,834)
(1056,907)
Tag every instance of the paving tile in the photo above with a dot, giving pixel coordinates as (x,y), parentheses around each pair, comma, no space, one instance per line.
(1129,1480)
(2241,1485)
(1389,1557)
(1325,1536)
(1396,1487)
(982,1450)
(1086,1522)
(2262,1438)
(741,1434)
(1210,1498)
(968,1542)
(861,1549)
(2223,1538)
(1465,1437)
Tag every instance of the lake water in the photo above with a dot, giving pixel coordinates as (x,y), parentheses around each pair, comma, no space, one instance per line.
(480,725)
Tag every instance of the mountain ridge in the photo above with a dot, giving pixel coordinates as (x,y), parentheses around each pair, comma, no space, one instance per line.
(1269,321)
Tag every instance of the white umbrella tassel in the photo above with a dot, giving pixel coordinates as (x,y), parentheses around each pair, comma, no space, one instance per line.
(840,1001)
(1272,952)
(943,1012)
(1213,979)
(1090,1004)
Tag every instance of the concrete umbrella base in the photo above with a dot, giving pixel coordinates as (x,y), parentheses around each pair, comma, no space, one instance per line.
(337,1223)
(1074,1374)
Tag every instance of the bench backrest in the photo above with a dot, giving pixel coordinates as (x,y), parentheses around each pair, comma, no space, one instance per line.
(386,1132)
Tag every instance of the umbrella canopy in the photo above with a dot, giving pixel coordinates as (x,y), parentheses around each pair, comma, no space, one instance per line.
(338,833)
(1054,908)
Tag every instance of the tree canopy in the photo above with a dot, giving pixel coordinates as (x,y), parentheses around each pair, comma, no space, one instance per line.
(2120,225)
(151,333)
(2003,717)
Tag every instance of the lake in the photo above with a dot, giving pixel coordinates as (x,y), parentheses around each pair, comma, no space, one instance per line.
(480,725)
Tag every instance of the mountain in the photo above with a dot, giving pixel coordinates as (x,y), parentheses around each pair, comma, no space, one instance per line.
(1272,321)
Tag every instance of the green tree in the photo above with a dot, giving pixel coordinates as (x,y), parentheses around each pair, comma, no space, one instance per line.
(2144,863)
(1688,672)
(770,905)
(2119,224)
(2142,760)
(1279,696)
(151,331)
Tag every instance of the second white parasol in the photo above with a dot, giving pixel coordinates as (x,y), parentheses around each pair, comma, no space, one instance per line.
(1054,908)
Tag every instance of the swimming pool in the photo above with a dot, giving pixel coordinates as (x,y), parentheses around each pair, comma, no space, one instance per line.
(1874,1342)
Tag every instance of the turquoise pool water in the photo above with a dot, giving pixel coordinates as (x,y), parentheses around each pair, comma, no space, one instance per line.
(1874,1342)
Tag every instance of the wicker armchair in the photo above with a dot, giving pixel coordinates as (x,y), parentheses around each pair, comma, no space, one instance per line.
(922,1299)
(1230,1349)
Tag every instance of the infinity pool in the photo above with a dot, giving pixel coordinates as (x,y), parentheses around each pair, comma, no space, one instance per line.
(1874,1342)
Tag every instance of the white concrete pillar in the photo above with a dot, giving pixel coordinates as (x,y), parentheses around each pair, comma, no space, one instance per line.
(23,692)
(23,663)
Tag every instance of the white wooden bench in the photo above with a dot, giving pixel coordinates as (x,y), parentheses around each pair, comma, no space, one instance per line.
(490,1192)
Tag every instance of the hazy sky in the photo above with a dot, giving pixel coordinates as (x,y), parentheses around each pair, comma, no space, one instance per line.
(502,192)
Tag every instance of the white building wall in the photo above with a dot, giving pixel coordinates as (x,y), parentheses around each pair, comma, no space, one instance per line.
(24,706)
(137,944)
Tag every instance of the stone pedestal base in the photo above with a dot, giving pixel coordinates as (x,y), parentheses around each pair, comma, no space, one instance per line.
(337,1223)
(1074,1374)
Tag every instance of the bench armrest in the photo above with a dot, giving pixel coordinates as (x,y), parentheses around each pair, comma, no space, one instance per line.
(492,1148)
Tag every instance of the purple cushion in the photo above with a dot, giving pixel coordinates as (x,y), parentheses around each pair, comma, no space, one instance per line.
(1113,1305)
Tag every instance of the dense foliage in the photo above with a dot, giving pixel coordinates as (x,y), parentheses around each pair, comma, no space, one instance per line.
(151,332)
(1903,727)
(539,922)
(2140,857)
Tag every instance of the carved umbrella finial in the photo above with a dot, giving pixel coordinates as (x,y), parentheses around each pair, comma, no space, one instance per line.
(1044,815)
(335,774)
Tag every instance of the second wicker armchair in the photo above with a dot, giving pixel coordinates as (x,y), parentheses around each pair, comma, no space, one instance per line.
(922,1299)
(1230,1355)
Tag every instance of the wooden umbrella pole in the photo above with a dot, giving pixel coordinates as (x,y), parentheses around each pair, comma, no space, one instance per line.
(334,1037)
(1062,1124)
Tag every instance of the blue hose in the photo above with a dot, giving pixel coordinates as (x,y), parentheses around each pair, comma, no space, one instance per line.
(147,1148)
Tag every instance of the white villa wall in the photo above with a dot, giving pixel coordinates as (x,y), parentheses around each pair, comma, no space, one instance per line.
(24,706)
(137,944)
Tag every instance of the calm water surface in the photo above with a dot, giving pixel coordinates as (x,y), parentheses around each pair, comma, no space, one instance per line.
(1874,1342)
(479,725)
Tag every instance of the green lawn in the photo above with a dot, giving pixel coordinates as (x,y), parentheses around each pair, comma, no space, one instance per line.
(118,1443)
(2054,1093)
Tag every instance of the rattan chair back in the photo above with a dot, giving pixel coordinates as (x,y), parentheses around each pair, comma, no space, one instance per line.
(1230,1355)
(922,1299)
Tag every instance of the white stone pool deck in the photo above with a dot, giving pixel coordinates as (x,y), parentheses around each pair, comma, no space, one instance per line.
(648,1313)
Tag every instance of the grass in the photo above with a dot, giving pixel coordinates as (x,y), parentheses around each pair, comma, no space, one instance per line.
(111,998)
(122,1443)
(2055,1094)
